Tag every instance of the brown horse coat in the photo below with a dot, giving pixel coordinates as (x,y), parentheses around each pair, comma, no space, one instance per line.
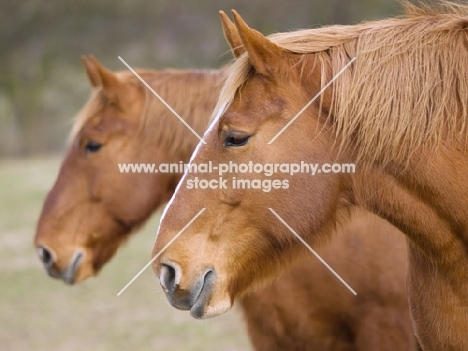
(306,309)
(398,112)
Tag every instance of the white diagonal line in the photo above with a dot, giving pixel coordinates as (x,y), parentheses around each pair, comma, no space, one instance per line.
(312,250)
(313,99)
(160,252)
(161,99)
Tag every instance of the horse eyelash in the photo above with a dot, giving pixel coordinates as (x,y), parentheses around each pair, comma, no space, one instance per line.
(244,140)
(92,147)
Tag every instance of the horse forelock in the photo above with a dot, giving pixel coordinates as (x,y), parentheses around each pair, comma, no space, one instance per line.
(407,88)
(234,77)
(95,103)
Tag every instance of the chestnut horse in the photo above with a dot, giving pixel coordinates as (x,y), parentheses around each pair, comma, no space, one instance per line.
(93,208)
(399,113)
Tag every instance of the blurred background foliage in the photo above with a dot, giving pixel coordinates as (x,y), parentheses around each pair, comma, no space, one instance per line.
(42,83)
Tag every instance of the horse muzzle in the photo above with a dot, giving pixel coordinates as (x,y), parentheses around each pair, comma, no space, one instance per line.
(49,260)
(195,298)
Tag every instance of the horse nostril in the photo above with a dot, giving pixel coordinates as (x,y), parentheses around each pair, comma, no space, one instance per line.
(46,257)
(167,278)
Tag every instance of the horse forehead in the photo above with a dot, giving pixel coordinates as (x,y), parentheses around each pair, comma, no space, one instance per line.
(254,86)
(259,92)
(107,120)
(254,107)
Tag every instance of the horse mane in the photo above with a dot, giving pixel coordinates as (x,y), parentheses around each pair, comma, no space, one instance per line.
(407,88)
(192,94)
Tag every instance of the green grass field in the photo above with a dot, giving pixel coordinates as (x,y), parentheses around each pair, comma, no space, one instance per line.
(39,313)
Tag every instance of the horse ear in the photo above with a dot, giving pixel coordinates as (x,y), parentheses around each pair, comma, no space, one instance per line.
(231,35)
(109,81)
(93,74)
(263,53)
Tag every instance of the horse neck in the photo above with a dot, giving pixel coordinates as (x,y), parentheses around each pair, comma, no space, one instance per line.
(427,200)
(419,199)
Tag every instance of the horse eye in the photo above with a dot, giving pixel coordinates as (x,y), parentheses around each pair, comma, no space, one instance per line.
(236,140)
(92,146)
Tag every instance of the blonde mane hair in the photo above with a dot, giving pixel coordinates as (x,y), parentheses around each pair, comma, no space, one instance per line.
(407,89)
(192,94)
